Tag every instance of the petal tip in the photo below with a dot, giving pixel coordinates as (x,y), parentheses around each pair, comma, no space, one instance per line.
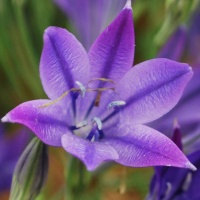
(6,118)
(189,165)
(190,69)
(48,29)
(128,4)
(89,167)
(176,124)
(51,30)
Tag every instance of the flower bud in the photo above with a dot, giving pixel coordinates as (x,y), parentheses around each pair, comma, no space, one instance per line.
(30,171)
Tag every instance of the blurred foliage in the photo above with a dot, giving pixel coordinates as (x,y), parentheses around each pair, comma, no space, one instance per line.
(22,23)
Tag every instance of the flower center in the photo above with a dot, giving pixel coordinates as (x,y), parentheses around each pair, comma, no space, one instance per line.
(91,127)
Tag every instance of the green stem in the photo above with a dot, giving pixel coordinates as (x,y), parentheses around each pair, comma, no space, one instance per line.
(69,178)
(74,179)
(81,175)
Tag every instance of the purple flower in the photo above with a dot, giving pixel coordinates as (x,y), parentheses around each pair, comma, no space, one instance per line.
(98,102)
(187,112)
(90,17)
(169,183)
(10,150)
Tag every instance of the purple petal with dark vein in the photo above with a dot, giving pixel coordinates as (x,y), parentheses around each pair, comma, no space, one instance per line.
(90,17)
(187,111)
(141,146)
(63,62)
(48,123)
(150,89)
(91,153)
(175,46)
(193,87)
(112,53)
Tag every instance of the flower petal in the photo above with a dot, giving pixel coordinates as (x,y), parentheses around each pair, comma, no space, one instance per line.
(63,62)
(88,18)
(141,146)
(183,182)
(91,153)
(112,53)
(152,88)
(174,47)
(187,111)
(47,123)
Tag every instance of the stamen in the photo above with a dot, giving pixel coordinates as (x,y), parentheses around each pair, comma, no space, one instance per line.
(102,79)
(82,124)
(187,182)
(168,190)
(98,122)
(97,100)
(59,98)
(99,89)
(116,103)
(82,88)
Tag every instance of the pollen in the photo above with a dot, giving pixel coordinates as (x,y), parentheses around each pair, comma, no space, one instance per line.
(116,104)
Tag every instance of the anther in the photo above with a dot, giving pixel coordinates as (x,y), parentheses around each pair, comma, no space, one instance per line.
(98,122)
(116,103)
(81,124)
(82,88)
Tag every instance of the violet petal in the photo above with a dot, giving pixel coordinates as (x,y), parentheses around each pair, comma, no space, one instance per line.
(90,17)
(91,153)
(112,53)
(63,62)
(141,146)
(48,123)
(187,110)
(152,88)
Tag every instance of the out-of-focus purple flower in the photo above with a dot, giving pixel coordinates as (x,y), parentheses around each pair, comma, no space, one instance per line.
(174,47)
(10,150)
(90,17)
(169,183)
(187,111)
(98,102)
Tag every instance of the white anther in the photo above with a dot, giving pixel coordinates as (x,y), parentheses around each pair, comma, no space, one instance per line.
(82,88)
(116,103)
(81,124)
(98,122)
